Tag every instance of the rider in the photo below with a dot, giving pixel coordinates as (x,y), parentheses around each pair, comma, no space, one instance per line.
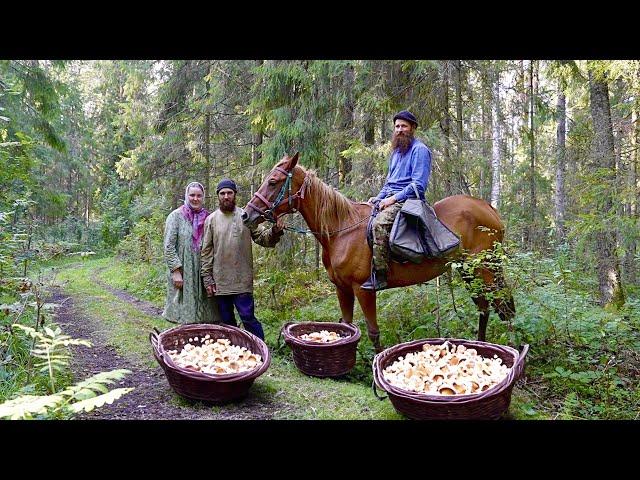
(410,163)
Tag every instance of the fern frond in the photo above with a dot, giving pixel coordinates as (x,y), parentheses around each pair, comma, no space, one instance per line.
(25,406)
(96,382)
(91,403)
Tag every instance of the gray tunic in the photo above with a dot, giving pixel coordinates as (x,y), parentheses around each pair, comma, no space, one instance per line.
(227,257)
(190,303)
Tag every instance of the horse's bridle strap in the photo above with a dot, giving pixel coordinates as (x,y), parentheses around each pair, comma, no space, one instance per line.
(271,206)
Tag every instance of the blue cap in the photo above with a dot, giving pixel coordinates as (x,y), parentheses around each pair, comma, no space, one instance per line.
(406,115)
(227,183)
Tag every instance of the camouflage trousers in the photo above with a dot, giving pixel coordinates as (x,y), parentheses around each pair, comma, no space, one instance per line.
(382,224)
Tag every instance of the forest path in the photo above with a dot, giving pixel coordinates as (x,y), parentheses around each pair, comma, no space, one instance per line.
(118,325)
(151,397)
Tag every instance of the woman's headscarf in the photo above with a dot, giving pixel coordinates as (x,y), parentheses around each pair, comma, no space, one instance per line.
(196,218)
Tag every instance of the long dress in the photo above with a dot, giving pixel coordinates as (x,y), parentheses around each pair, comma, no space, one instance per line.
(189,304)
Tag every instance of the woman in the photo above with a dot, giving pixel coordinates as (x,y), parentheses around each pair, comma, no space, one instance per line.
(187,300)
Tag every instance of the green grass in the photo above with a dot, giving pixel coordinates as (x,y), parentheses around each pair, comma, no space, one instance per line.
(582,362)
(292,394)
(126,328)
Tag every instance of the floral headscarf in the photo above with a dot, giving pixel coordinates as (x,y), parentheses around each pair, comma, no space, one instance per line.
(195,217)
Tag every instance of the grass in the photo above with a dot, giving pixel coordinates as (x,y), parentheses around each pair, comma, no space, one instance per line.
(125,327)
(292,394)
(582,363)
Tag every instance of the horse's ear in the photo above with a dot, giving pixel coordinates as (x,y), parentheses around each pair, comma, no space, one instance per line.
(294,160)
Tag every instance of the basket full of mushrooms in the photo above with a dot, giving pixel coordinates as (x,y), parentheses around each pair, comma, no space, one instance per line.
(210,362)
(444,379)
(322,349)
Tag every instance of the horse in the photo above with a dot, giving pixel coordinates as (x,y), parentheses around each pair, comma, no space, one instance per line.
(340,224)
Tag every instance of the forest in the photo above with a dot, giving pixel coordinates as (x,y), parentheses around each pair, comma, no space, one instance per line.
(95,154)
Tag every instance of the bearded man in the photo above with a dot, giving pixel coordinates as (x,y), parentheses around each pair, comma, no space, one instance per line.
(227,258)
(409,167)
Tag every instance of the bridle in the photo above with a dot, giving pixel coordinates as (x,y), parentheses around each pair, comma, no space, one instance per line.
(268,214)
(299,195)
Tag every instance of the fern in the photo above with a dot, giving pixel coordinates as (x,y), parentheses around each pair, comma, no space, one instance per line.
(26,406)
(49,349)
(91,403)
(84,396)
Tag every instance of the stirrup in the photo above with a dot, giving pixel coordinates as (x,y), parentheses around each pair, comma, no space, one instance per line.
(377,281)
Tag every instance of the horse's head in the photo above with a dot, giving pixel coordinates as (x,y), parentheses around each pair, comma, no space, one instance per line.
(279,194)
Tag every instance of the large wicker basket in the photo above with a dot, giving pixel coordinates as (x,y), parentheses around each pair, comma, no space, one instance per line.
(490,404)
(204,386)
(322,359)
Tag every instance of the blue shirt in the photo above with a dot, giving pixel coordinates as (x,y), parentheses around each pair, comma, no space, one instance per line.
(412,167)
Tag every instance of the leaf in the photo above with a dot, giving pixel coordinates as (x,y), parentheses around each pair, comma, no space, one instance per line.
(91,403)
(26,406)
(84,394)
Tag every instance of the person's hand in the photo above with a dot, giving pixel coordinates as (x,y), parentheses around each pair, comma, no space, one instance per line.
(176,276)
(279,225)
(387,202)
(211,290)
(372,200)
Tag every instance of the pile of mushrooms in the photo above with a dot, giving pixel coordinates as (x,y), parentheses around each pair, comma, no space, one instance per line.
(446,369)
(219,356)
(323,336)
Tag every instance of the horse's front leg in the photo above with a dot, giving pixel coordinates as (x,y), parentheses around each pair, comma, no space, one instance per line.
(346,299)
(367,301)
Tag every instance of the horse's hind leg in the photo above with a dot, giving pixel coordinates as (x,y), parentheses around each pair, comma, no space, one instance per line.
(367,301)
(483,306)
(503,302)
(346,300)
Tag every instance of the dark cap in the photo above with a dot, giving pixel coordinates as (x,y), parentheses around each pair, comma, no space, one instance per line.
(226,183)
(406,115)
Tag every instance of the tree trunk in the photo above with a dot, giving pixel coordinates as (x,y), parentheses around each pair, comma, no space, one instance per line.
(346,127)
(207,144)
(496,150)
(532,156)
(446,130)
(561,135)
(486,105)
(610,285)
(463,185)
(631,207)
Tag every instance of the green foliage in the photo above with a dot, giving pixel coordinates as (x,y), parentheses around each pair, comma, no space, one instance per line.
(49,349)
(83,396)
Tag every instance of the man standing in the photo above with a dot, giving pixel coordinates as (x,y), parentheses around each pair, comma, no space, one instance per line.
(227,259)
(409,167)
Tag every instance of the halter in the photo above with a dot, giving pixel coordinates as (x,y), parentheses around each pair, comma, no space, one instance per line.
(299,195)
(286,187)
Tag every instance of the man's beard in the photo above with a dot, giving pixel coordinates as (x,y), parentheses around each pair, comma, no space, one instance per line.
(401,142)
(227,205)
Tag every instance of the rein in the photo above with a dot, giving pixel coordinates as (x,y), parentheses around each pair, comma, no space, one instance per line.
(298,230)
(299,195)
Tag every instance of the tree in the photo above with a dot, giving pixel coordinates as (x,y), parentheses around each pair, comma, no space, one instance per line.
(610,285)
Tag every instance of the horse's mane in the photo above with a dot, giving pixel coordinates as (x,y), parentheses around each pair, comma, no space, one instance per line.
(333,210)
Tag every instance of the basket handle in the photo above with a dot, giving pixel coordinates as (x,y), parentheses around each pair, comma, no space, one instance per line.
(519,366)
(279,345)
(153,338)
(375,390)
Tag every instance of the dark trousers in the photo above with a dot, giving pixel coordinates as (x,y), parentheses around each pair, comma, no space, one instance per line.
(245,306)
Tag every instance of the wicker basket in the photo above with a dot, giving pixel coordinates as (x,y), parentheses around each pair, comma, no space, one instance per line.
(322,359)
(490,404)
(205,386)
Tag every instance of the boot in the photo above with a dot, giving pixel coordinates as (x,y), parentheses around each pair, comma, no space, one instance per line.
(377,281)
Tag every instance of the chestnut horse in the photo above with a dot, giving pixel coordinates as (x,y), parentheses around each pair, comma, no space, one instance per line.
(340,224)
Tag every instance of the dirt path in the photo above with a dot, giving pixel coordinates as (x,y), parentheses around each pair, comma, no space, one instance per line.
(142,305)
(152,397)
